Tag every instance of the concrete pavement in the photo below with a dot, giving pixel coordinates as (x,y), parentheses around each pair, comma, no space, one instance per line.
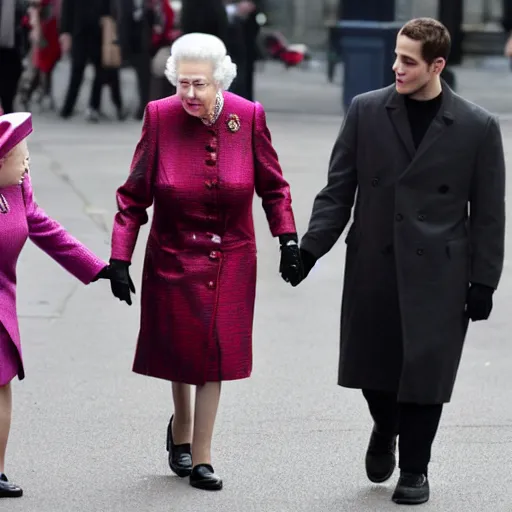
(89,436)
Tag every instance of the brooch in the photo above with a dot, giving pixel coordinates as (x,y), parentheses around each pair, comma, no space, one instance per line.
(233,123)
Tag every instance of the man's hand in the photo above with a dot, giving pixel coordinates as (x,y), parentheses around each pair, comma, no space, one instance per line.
(308,262)
(479,302)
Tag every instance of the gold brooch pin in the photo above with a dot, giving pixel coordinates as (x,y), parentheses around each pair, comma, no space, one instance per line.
(233,123)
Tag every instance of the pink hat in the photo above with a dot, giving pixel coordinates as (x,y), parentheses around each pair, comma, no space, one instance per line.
(13,129)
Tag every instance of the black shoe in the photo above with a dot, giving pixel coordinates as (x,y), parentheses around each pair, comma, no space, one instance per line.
(8,490)
(380,457)
(411,489)
(203,477)
(180,455)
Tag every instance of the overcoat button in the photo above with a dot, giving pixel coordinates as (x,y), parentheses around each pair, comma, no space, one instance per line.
(214,255)
(208,183)
(375,182)
(420,252)
(399,217)
(211,285)
(421,217)
(214,182)
(443,189)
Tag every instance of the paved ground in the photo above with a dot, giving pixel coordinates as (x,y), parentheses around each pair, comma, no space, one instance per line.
(88,435)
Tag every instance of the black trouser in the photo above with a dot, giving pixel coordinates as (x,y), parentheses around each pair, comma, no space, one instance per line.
(110,77)
(415,424)
(10,66)
(141,63)
(85,49)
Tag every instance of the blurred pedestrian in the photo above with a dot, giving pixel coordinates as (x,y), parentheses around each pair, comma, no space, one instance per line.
(244,32)
(45,51)
(11,45)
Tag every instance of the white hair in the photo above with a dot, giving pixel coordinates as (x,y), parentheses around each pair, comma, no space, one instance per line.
(205,47)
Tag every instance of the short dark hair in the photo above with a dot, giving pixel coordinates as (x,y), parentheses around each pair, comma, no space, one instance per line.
(434,36)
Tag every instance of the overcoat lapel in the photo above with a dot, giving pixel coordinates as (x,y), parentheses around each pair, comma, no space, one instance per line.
(398,115)
(440,124)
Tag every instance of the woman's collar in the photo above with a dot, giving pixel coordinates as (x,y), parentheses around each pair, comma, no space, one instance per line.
(217,110)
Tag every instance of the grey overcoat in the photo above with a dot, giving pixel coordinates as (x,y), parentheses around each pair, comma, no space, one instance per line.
(427,223)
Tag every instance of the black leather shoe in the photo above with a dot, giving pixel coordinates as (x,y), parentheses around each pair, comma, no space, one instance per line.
(203,477)
(380,457)
(180,455)
(8,490)
(411,489)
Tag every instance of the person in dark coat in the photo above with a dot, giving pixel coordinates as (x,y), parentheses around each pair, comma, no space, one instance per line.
(134,20)
(244,33)
(233,23)
(206,16)
(424,252)
(11,48)
(506,23)
(81,36)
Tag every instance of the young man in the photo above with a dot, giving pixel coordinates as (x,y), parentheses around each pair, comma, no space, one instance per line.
(425,250)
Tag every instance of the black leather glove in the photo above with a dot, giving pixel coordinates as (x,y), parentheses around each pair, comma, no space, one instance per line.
(120,281)
(104,274)
(479,302)
(290,266)
(308,261)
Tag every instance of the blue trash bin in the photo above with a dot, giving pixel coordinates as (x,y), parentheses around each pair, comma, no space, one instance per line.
(368,52)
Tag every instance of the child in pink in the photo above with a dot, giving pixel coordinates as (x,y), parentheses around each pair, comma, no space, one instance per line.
(22,218)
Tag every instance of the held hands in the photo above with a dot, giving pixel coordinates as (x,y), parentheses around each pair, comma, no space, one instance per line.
(120,281)
(290,266)
(296,263)
(479,302)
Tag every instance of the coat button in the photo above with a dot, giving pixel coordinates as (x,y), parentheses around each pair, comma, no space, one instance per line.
(420,252)
(208,183)
(399,217)
(443,189)
(214,255)
(421,217)
(375,182)
(211,285)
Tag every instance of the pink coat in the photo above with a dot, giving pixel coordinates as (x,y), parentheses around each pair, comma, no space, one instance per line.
(26,219)
(199,277)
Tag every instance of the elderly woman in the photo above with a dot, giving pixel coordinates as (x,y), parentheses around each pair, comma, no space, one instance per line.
(22,218)
(202,155)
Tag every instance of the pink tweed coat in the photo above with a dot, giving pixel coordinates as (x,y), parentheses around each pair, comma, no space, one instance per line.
(199,277)
(25,219)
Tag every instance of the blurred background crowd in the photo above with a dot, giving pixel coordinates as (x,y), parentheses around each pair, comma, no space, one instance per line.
(112,35)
